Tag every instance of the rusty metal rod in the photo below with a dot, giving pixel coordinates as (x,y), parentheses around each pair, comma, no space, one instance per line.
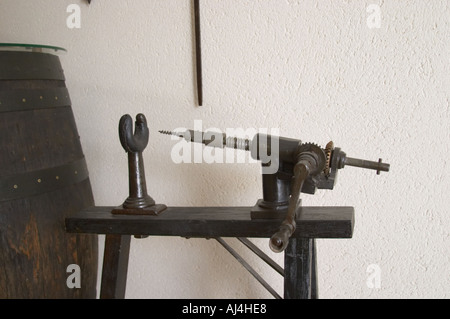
(198,52)
(280,240)
(258,252)
(377,166)
(249,268)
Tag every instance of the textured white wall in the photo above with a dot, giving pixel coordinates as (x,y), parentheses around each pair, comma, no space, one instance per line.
(313,69)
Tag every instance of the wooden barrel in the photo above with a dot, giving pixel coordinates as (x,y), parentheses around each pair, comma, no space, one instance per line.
(43,180)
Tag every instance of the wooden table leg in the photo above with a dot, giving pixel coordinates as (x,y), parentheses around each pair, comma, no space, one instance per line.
(314,285)
(115,266)
(298,268)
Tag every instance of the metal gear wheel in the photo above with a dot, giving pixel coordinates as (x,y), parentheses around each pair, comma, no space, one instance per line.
(319,155)
(328,150)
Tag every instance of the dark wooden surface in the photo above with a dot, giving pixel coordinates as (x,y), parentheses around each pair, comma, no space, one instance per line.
(316,222)
(115,266)
(35,249)
(30,66)
(314,283)
(298,269)
(212,222)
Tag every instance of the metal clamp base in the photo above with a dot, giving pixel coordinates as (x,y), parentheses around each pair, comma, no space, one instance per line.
(149,211)
(260,212)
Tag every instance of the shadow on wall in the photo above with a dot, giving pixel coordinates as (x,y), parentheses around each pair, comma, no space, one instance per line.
(199,266)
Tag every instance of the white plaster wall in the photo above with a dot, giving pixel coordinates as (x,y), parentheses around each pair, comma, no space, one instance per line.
(314,70)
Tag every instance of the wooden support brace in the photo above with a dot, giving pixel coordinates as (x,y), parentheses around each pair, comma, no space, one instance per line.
(299,267)
(115,266)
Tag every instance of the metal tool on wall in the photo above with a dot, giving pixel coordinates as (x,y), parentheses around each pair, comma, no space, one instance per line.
(301,168)
(198,52)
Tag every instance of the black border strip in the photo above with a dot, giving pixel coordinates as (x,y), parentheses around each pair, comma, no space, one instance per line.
(30,66)
(42,181)
(28,99)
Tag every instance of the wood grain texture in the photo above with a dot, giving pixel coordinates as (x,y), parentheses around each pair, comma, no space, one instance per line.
(299,267)
(210,222)
(115,266)
(35,250)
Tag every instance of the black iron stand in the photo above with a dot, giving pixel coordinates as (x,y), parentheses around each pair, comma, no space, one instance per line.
(300,271)
(139,216)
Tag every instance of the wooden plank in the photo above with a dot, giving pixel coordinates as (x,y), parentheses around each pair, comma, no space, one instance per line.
(115,266)
(27,66)
(298,267)
(314,279)
(211,222)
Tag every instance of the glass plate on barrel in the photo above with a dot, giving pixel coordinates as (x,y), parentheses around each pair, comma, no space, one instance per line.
(32,48)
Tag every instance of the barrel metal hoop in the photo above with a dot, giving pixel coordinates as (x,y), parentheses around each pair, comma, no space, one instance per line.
(30,66)
(42,181)
(28,99)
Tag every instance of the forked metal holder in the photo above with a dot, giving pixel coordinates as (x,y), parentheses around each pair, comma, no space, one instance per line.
(139,202)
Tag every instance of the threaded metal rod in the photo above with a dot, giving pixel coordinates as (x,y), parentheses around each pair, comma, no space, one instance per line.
(246,145)
(378,166)
(229,142)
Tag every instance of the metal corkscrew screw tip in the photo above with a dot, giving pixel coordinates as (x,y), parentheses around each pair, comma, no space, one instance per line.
(208,139)
(171,133)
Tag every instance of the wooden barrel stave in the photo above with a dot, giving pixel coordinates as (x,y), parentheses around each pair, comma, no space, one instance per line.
(39,186)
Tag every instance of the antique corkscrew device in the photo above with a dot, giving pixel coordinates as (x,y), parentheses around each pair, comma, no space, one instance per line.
(299,168)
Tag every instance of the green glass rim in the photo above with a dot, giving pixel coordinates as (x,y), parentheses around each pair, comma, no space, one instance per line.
(32,46)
